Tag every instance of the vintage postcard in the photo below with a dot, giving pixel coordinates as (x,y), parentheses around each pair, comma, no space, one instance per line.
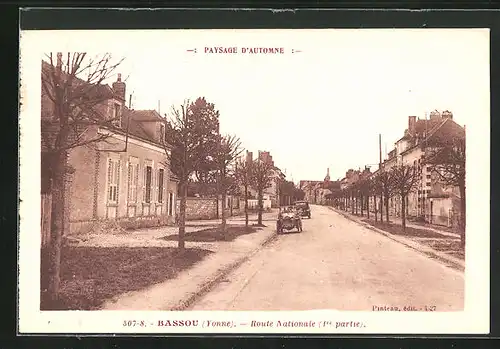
(254,181)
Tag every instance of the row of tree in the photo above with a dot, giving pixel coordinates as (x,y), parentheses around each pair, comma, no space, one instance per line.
(446,159)
(197,152)
(398,181)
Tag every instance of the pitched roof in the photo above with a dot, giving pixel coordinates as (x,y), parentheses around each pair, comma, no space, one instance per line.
(441,130)
(146,115)
(132,119)
(92,90)
(426,126)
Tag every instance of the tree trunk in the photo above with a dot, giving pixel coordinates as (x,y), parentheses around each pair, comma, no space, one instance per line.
(352,203)
(368,206)
(182,215)
(217,215)
(57,225)
(462,214)
(403,211)
(246,206)
(223,215)
(375,207)
(260,205)
(362,204)
(381,208)
(386,203)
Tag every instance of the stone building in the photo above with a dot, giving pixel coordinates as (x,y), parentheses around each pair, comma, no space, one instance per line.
(431,200)
(124,176)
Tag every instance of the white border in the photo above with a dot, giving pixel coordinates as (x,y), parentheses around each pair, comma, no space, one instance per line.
(473,320)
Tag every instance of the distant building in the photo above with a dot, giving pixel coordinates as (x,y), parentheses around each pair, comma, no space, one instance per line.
(272,192)
(319,192)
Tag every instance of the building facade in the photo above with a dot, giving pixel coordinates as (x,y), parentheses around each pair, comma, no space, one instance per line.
(122,174)
(431,200)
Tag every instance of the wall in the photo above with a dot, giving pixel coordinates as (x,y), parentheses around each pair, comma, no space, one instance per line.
(199,208)
(89,189)
(441,211)
(206,208)
(82,159)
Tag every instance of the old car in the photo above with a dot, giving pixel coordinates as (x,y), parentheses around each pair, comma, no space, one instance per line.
(303,207)
(288,219)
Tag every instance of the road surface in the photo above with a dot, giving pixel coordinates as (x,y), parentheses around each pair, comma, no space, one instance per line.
(336,264)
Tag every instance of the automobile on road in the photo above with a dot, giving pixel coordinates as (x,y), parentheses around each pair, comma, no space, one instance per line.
(288,219)
(304,209)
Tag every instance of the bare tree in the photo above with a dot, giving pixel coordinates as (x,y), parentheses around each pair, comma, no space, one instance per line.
(447,160)
(366,188)
(228,150)
(405,180)
(262,179)
(73,106)
(184,156)
(375,191)
(386,186)
(243,176)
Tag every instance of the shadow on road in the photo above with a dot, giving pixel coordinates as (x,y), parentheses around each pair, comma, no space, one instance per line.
(214,234)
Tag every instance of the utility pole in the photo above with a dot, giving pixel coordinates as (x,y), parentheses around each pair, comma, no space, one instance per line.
(380,151)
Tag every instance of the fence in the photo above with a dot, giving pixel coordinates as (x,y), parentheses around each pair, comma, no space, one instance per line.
(46,212)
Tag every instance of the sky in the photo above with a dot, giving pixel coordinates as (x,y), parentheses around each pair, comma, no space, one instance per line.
(322,107)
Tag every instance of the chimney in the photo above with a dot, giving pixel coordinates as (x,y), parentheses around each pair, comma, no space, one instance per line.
(435,115)
(59,60)
(447,115)
(249,157)
(412,121)
(119,87)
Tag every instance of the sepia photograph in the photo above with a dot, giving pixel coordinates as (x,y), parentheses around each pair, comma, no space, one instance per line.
(241,181)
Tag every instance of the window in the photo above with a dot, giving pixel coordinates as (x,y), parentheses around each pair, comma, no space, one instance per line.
(113,180)
(429,169)
(148,172)
(133,178)
(116,119)
(162,133)
(428,176)
(428,184)
(170,203)
(160,184)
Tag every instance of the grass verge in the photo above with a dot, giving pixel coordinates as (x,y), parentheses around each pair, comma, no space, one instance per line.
(91,275)
(436,241)
(397,229)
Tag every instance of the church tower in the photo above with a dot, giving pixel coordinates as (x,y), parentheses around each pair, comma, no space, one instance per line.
(327,177)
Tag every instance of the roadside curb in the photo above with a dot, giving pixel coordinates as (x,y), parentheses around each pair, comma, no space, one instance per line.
(455,262)
(219,275)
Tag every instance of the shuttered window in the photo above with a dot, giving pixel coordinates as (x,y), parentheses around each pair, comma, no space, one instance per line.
(148,172)
(113,180)
(170,203)
(133,179)
(160,185)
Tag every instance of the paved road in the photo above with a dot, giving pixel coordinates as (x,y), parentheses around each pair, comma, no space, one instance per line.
(336,264)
